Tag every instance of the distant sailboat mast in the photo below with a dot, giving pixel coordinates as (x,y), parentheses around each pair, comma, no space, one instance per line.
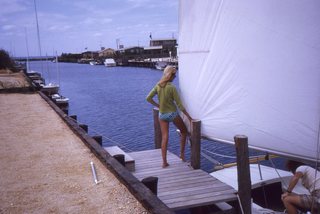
(49,88)
(25,29)
(38,31)
(57,66)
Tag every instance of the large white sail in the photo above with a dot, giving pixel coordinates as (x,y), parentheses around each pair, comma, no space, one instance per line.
(253,67)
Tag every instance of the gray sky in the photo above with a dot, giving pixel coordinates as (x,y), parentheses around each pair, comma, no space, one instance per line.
(70,26)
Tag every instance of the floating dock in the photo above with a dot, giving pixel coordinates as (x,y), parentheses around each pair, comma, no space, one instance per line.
(179,185)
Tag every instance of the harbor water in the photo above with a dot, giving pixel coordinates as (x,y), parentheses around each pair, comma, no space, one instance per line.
(112,102)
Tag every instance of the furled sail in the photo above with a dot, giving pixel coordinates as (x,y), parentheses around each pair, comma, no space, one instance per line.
(253,67)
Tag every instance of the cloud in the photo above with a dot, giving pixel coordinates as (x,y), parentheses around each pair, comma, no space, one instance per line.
(106,20)
(60,28)
(8,27)
(13,6)
(97,34)
(152,3)
(96,21)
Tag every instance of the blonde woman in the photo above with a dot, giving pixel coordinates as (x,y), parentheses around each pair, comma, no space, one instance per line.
(169,100)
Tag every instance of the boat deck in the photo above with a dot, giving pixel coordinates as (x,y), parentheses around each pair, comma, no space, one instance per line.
(179,185)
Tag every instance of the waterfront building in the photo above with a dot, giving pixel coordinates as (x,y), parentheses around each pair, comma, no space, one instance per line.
(90,54)
(129,53)
(107,53)
(169,46)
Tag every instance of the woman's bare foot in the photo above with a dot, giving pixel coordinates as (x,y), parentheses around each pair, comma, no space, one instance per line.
(164,165)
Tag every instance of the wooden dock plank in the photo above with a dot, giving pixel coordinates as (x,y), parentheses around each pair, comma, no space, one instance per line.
(179,185)
(184,180)
(173,176)
(198,202)
(158,164)
(161,172)
(176,194)
(182,185)
(195,190)
(189,188)
(195,197)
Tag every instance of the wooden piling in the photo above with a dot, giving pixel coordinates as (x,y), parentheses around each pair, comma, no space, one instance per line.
(74,117)
(152,183)
(120,159)
(66,111)
(84,127)
(98,138)
(157,130)
(244,180)
(196,144)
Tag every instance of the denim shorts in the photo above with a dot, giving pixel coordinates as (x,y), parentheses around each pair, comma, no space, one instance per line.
(169,117)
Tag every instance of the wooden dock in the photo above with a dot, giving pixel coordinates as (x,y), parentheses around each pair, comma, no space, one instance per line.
(179,185)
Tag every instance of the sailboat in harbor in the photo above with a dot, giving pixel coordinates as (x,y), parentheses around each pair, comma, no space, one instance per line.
(57,98)
(50,88)
(252,67)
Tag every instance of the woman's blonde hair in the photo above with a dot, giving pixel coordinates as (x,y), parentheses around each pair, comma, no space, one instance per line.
(167,74)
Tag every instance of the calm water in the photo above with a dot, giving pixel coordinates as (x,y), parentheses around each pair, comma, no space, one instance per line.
(111,101)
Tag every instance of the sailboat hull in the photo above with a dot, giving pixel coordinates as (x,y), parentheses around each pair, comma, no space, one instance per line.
(50,89)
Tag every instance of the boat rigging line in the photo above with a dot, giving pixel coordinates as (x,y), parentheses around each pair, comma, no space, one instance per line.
(220,155)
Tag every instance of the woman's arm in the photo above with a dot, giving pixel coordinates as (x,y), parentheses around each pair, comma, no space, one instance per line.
(153,103)
(150,96)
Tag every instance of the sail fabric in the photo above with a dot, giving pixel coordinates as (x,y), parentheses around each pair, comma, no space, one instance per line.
(253,68)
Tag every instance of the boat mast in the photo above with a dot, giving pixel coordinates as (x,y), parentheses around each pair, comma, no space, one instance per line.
(25,30)
(57,65)
(38,32)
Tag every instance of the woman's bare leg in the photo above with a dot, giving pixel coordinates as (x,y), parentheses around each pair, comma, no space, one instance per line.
(164,126)
(178,122)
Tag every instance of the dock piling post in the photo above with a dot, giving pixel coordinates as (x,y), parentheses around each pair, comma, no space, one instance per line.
(98,138)
(66,111)
(157,130)
(120,158)
(196,144)
(244,181)
(74,117)
(84,127)
(152,183)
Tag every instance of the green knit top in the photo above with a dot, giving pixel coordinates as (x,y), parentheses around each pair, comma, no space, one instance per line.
(168,98)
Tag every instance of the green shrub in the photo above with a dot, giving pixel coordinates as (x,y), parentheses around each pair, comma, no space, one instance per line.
(5,60)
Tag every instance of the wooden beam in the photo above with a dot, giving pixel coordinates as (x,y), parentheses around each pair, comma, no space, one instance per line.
(84,127)
(157,130)
(196,144)
(244,180)
(120,159)
(74,117)
(152,183)
(98,138)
